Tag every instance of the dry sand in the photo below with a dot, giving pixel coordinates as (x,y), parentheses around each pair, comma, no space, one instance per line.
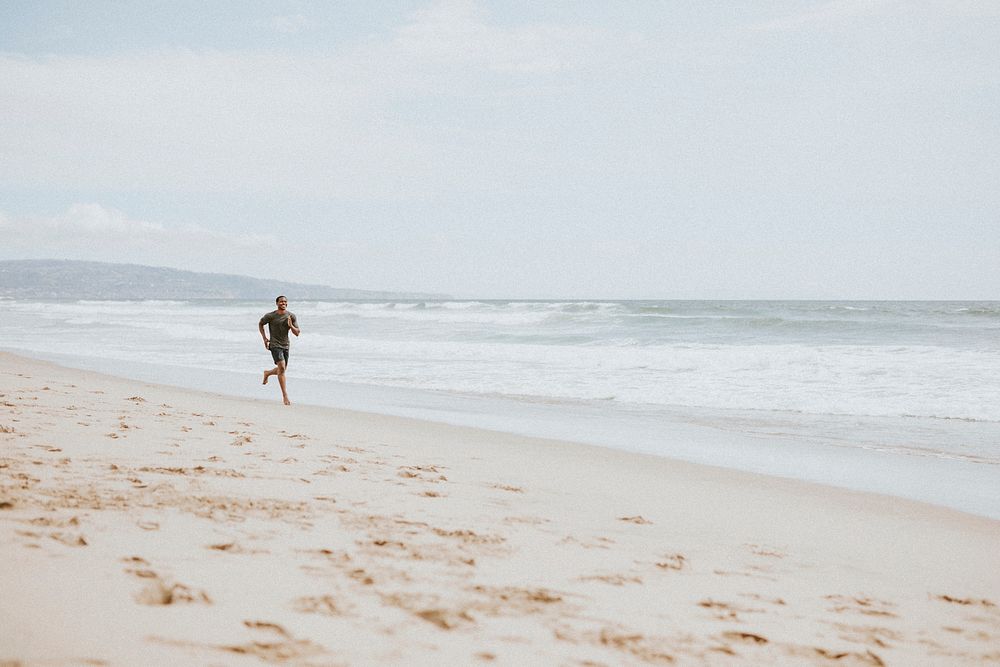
(149,525)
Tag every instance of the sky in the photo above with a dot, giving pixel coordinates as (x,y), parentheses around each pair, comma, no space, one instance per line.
(845,149)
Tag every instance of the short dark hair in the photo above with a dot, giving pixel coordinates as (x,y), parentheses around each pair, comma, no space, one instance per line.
(280,297)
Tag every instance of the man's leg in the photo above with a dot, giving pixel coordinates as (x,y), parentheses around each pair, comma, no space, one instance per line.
(281,381)
(277,355)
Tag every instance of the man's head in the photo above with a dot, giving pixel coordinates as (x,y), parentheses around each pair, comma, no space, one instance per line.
(281,302)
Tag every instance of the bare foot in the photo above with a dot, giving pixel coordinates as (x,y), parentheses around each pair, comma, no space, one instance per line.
(287,402)
(266,377)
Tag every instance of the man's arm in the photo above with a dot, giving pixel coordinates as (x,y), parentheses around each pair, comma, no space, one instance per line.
(260,327)
(292,325)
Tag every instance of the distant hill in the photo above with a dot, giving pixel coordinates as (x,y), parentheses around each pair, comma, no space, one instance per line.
(66,279)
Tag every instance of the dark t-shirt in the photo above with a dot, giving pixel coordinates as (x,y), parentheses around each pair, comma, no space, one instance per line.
(277,325)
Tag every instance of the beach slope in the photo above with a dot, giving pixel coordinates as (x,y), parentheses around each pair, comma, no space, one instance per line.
(144,524)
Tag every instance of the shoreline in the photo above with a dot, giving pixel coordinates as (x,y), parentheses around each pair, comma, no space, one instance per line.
(208,528)
(848,452)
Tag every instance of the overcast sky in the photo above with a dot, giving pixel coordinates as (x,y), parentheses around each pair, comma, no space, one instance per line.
(513,149)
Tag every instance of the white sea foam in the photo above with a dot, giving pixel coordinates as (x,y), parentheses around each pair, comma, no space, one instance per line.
(753,356)
(880,359)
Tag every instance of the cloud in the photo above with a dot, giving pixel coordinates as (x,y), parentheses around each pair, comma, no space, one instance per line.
(825,14)
(290,24)
(458,33)
(91,231)
(374,119)
(197,121)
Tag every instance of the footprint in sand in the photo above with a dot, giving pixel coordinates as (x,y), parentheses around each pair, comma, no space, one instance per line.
(469,536)
(267,627)
(727,611)
(965,602)
(69,539)
(612,579)
(325,605)
(279,646)
(870,635)
(766,551)
(430,608)
(745,637)
(507,487)
(861,605)
(778,602)
(588,543)
(160,591)
(427,473)
(652,650)
(672,562)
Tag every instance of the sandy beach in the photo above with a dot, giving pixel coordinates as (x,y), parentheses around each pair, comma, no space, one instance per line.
(150,525)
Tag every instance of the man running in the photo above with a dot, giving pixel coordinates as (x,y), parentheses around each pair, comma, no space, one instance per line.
(279,322)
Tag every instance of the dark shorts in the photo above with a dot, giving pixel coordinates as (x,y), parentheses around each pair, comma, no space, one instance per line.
(279,354)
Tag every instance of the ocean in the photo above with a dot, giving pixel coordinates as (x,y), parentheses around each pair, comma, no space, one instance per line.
(900,398)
